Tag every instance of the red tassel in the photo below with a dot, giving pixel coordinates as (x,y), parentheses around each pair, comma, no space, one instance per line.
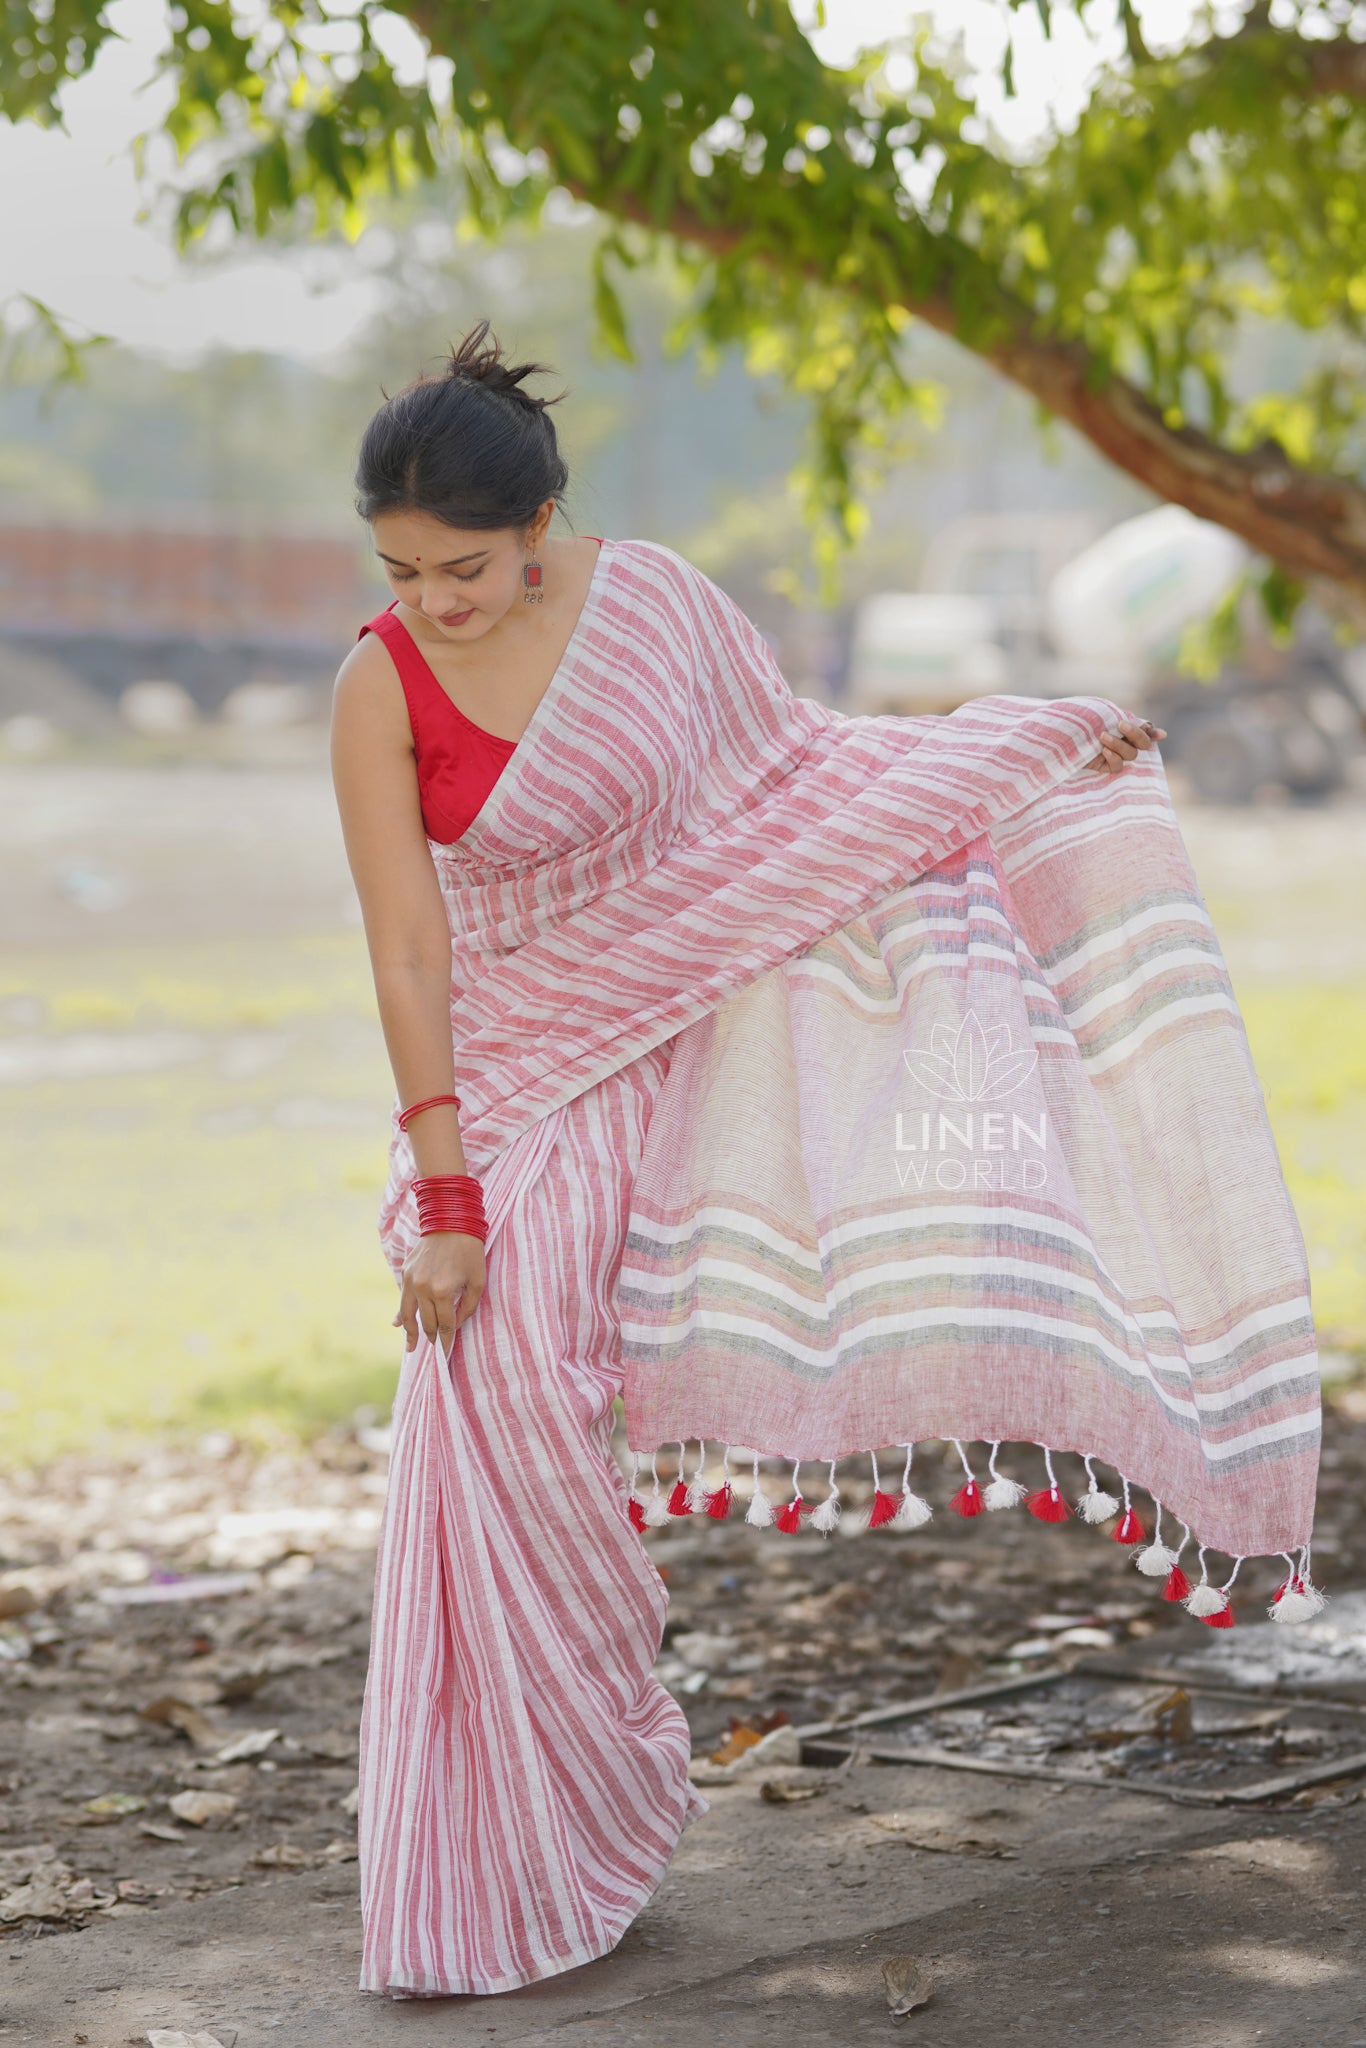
(968,1499)
(1223,1619)
(678,1499)
(636,1512)
(1130,1530)
(1177,1586)
(718,1503)
(1048,1505)
(884,1508)
(790,1517)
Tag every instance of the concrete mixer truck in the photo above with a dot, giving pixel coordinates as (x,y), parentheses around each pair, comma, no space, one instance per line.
(1050,606)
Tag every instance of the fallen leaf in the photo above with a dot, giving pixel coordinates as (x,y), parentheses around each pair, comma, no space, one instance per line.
(244,1685)
(957,1672)
(1173,1718)
(203,1809)
(782,1792)
(282,1856)
(254,1743)
(113,1805)
(909,1982)
(180,1714)
(741,1735)
(159,1831)
(46,1896)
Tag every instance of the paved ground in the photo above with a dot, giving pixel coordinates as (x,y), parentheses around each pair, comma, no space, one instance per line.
(1103,1914)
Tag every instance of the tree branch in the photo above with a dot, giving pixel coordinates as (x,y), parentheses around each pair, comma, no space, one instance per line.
(1313,525)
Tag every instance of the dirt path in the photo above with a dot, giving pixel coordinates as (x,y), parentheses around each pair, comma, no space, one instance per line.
(1040,1905)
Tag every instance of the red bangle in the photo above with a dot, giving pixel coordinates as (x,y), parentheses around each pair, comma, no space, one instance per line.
(405,1116)
(450,1202)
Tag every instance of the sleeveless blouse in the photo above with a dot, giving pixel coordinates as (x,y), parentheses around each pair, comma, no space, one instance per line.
(458,762)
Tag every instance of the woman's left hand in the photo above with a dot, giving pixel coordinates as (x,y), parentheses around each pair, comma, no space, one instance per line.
(1117,748)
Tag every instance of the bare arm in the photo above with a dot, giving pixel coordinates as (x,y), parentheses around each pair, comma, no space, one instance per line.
(375,779)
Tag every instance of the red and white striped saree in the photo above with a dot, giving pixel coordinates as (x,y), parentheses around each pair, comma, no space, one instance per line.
(958,1135)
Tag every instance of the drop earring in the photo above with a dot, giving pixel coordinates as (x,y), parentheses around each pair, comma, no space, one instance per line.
(531,578)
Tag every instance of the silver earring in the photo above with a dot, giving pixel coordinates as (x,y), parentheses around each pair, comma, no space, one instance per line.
(531,579)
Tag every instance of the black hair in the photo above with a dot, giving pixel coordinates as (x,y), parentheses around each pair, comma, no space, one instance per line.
(468,445)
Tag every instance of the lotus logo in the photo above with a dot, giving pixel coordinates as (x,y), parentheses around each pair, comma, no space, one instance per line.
(971,1064)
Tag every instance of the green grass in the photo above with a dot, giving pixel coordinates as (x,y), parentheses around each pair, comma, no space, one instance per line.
(1309,1047)
(197,1247)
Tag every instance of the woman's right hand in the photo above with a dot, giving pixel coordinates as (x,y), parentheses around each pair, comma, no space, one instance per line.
(443,1278)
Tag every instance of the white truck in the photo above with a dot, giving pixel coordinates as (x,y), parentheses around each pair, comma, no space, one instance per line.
(1053,607)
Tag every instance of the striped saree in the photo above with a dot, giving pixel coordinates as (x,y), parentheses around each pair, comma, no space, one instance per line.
(955,1133)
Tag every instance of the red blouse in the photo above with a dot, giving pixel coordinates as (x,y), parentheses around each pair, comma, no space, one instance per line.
(458,763)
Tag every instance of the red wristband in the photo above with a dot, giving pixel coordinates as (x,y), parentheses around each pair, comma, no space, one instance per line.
(405,1116)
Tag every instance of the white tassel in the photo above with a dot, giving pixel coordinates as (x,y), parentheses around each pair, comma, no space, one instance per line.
(1155,1560)
(759,1513)
(1096,1505)
(913,1513)
(697,1486)
(656,1504)
(1001,1492)
(1295,1607)
(1205,1599)
(827,1514)
(1301,1600)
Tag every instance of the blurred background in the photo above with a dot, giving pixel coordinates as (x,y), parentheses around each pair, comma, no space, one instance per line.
(194,1084)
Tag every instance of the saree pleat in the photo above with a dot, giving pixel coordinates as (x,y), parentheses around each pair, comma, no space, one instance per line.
(523,1775)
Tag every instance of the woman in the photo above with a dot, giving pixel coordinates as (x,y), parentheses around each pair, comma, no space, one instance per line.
(609,866)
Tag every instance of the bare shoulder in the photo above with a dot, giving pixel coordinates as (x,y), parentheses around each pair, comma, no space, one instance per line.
(367,690)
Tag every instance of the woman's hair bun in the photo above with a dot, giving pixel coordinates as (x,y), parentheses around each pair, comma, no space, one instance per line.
(479,359)
(466,445)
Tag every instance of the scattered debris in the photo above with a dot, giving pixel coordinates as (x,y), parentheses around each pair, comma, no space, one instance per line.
(788,1791)
(742,1735)
(171,1590)
(780,1746)
(255,1742)
(909,1982)
(113,1805)
(940,1841)
(204,1809)
(187,1718)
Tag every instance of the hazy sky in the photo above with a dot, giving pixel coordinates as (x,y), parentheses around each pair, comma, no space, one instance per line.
(69,231)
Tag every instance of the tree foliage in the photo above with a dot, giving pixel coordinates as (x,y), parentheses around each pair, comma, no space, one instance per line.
(1114,269)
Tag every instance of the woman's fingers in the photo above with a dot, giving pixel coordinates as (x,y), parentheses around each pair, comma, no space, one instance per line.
(1123,745)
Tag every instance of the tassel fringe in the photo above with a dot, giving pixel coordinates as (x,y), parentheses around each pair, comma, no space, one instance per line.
(652,1505)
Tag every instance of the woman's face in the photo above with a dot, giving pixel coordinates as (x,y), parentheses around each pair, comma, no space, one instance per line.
(463,579)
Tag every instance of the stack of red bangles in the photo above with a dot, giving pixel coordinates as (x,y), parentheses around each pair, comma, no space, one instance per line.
(450,1201)
(446,1201)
